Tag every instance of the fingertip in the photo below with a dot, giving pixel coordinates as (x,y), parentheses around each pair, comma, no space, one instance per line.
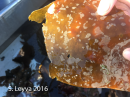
(105,6)
(126,54)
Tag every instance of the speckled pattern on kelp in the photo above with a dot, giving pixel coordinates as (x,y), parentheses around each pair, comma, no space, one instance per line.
(94,44)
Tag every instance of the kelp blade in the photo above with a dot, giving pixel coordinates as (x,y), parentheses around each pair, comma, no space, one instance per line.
(39,15)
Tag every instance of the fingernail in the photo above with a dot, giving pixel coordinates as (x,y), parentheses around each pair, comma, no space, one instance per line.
(103,7)
(126,54)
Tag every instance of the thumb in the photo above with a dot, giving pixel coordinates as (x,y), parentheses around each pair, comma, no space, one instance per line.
(126,54)
(105,6)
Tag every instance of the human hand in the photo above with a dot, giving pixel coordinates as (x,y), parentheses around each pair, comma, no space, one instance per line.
(105,6)
(126,53)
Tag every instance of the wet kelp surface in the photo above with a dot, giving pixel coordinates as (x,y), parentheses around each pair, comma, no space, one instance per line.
(85,49)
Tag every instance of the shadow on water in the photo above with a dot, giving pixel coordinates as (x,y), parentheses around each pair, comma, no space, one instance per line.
(40,39)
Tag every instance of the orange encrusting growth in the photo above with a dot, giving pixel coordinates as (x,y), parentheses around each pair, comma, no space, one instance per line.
(85,49)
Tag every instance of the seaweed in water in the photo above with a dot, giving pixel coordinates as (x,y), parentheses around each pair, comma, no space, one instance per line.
(25,56)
